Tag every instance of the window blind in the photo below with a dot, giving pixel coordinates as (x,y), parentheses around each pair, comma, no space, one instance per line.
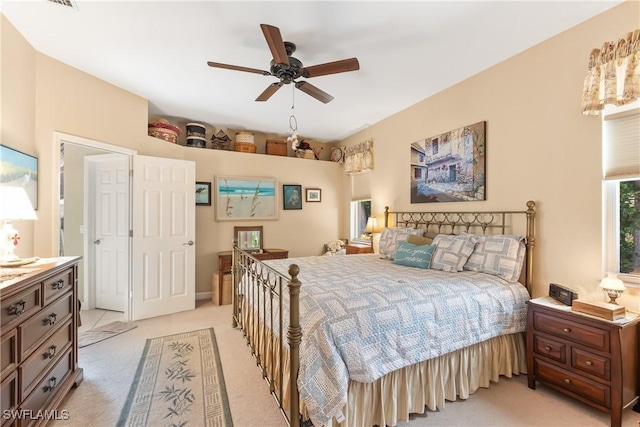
(361,186)
(621,145)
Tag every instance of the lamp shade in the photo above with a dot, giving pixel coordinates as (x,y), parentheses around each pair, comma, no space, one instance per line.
(372,225)
(15,204)
(611,282)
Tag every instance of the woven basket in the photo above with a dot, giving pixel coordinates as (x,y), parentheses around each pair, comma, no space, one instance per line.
(244,147)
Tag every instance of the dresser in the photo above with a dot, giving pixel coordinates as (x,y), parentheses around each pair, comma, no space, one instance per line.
(39,359)
(590,359)
(225,262)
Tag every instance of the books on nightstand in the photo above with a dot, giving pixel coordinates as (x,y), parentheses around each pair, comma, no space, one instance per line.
(604,310)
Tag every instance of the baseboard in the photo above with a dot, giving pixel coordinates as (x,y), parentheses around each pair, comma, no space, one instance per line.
(203,295)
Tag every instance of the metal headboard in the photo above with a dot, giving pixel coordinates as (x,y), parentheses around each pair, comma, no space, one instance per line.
(485,222)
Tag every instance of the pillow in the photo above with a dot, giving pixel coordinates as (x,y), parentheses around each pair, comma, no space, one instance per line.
(452,252)
(500,254)
(419,240)
(390,236)
(413,255)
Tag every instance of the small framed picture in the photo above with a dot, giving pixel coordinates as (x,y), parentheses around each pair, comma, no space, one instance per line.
(203,194)
(314,195)
(292,196)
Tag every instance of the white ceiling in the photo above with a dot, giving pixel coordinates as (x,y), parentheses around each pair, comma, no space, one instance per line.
(407,51)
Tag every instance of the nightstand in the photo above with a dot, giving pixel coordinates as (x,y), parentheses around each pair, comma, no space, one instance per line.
(358,248)
(590,359)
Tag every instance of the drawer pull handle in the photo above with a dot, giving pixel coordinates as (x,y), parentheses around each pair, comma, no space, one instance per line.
(58,285)
(588,363)
(567,380)
(547,349)
(49,354)
(52,384)
(567,330)
(17,308)
(50,319)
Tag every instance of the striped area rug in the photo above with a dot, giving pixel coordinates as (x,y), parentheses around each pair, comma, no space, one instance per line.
(179,382)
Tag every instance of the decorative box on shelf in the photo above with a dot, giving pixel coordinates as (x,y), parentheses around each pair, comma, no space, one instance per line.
(599,309)
(276,147)
(162,129)
(244,147)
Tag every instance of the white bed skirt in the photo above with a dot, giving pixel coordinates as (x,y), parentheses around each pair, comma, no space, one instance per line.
(412,389)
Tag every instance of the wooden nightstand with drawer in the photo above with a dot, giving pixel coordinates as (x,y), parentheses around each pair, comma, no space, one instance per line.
(590,359)
(358,248)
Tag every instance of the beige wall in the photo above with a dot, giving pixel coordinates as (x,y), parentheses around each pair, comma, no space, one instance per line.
(539,147)
(67,100)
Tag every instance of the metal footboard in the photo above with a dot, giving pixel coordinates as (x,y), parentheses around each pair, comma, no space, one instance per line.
(259,295)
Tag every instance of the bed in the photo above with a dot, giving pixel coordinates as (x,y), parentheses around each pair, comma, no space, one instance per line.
(368,339)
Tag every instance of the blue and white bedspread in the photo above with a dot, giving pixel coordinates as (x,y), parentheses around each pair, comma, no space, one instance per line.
(363,317)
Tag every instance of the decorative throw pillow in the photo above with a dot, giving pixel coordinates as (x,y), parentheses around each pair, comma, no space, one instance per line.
(390,237)
(419,240)
(452,252)
(413,255)
(500,254)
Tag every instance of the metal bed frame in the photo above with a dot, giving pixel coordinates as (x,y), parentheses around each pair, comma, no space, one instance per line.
(260,287)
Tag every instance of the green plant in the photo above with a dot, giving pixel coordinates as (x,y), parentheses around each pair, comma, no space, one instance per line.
(630,226)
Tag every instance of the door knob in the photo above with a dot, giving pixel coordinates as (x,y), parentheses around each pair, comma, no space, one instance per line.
(190,243)
(97,242)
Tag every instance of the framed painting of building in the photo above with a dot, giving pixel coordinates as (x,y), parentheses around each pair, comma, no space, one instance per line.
(449,167)
(245,198)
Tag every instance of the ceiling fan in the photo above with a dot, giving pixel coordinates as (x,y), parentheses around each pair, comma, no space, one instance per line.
(287,68)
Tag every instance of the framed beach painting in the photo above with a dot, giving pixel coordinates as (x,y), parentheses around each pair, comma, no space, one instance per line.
(245,198)
(18,169)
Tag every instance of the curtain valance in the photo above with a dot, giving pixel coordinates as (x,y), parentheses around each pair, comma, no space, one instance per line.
(614,74)
(359,158)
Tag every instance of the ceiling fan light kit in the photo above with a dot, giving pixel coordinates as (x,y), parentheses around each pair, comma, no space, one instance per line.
(288,69)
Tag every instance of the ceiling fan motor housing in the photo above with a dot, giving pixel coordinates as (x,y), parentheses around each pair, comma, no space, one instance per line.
(286,73)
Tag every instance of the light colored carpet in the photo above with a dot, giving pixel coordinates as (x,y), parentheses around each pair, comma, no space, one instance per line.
(101,333)
(179,382)
(110,366)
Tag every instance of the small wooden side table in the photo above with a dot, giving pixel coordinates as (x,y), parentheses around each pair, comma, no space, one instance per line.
(225,262)
(358,248)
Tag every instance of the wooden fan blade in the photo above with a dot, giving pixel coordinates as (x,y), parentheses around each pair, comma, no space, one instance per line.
(276,45)
(270,90)
(335,67)
(310,89)
(238,68)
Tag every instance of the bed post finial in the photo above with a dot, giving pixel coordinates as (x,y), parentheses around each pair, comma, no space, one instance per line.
(294,336)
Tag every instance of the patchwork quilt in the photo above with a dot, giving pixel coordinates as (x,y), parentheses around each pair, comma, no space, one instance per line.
(363,317)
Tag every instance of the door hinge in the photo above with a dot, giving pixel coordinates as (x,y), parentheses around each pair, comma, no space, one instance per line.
(130,233)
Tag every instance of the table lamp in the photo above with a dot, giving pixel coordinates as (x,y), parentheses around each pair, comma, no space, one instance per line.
(14,206)
(371,227)
(613,287)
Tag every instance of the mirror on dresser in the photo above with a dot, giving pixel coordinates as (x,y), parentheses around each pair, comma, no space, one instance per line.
(249,238)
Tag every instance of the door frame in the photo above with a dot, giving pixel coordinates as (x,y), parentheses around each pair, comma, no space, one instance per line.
(62,138)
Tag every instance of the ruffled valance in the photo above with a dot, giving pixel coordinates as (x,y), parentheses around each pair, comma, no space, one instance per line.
(614,74)
(358,158)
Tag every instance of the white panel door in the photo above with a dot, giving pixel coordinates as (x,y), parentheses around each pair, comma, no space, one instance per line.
(163,260)
(111,229)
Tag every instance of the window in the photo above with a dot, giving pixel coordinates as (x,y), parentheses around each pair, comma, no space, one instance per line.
(621,195)
(360,212)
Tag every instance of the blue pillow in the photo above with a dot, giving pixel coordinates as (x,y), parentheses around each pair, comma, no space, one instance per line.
(414,255)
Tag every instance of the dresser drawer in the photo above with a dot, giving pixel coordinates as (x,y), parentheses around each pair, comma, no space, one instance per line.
(594,391)
(591,363)
(57,285)
(33,331)
(45,356)
(583,334)
(18,307)
(551,349)
(47,387)
(9,353)
(9,393)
